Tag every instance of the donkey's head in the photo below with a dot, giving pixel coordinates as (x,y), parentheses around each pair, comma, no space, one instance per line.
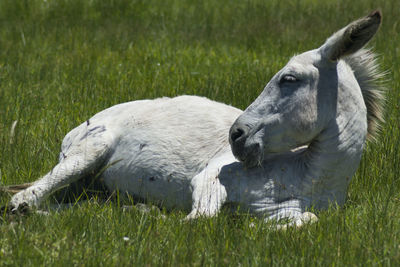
(301,100)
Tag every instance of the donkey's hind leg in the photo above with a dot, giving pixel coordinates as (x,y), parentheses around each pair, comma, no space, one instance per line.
(81,160)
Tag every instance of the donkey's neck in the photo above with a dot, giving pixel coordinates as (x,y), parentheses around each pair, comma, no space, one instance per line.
(333,157)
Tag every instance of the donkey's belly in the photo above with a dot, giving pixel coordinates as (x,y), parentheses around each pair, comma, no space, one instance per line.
(152,181)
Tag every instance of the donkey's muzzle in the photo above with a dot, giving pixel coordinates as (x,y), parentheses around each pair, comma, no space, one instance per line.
(237,138)
(237,133)
(249,153)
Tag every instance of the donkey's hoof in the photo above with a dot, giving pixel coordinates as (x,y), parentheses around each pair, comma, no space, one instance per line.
(22,209)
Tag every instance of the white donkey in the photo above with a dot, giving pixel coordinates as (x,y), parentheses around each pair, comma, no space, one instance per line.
(300,141)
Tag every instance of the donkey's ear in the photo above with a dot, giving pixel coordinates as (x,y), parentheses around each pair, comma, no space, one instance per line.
(352,37)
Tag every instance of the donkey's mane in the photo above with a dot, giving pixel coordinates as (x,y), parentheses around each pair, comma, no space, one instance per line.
(370,78)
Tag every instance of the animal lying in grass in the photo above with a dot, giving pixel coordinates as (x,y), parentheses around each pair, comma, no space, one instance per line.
(295,147)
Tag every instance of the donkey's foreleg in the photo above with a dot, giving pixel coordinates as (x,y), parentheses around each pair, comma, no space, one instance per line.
(82,159)
(209,194)
(208,197)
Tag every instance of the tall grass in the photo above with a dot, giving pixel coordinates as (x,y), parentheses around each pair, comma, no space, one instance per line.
(62,61)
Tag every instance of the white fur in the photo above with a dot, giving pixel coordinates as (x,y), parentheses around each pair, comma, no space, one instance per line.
(150,148)
(175,152)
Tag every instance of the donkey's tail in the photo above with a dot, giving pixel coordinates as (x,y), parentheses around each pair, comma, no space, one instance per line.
(13,189)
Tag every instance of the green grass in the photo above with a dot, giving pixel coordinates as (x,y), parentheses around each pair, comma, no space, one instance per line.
(63,61)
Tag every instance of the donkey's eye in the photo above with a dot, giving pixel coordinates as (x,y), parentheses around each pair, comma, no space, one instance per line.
(288,78)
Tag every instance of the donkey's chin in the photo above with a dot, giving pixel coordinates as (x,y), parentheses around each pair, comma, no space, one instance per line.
(253,162)
(252,158)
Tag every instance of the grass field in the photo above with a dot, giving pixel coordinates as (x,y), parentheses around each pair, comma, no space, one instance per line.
(62,61)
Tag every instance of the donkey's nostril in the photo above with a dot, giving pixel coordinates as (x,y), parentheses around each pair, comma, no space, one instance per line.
(236,134)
